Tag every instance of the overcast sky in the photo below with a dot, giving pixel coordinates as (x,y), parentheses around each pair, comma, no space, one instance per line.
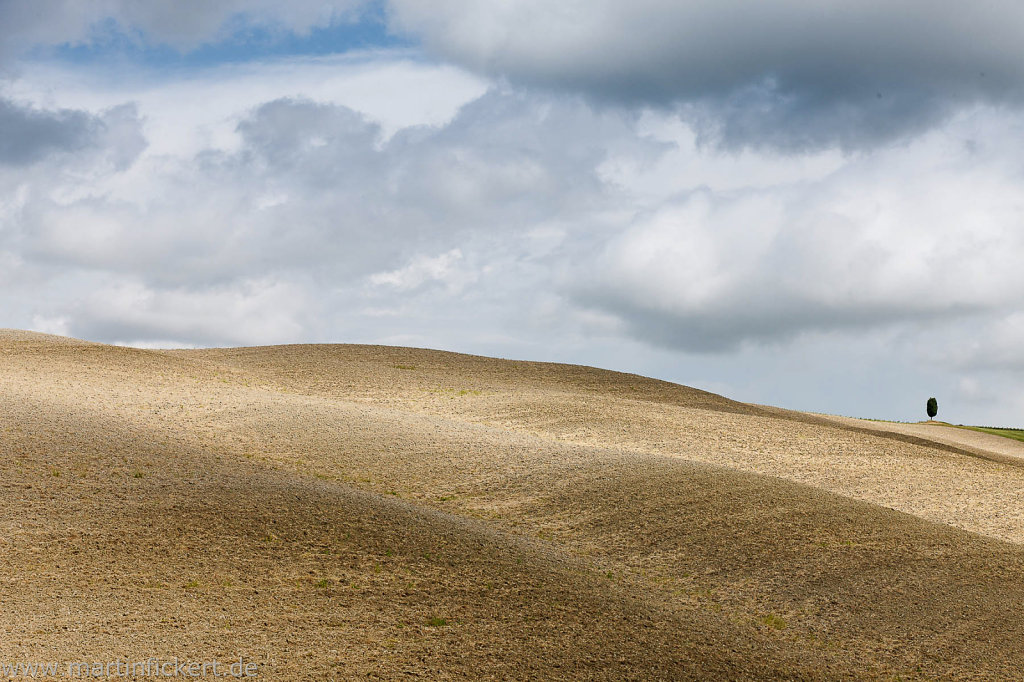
(819,207)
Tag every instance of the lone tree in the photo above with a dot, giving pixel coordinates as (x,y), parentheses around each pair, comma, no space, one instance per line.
(933,408)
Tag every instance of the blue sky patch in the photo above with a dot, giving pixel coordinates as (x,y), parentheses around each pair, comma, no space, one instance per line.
(112,44)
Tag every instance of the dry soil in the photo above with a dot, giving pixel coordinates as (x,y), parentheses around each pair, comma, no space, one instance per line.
(352,512)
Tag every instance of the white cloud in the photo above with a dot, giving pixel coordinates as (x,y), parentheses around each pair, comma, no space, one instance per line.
(50,325)
(442,269)
(922,231)
(250,311)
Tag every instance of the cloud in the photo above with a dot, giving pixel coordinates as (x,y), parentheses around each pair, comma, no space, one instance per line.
(261,311)
(423,271)
(312,195)
(920,234)
(307,142)
(779,74)
(393,89)
(549,201)
(995,344)
(782,73)
(30,134)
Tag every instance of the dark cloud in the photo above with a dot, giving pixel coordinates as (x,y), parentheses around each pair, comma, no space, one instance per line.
(782,73)
(799,121)
(28,134)
(764,319)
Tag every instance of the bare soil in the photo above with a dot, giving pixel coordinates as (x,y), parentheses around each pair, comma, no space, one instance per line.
(349,512)
(985,445)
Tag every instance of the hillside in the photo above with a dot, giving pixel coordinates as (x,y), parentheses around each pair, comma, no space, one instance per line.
(354,511)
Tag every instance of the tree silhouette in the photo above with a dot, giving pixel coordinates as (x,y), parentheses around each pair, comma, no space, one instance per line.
(933,408)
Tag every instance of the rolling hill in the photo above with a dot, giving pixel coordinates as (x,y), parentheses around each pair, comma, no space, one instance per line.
(362,511)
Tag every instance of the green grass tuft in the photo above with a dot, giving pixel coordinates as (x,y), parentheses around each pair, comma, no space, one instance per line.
(1015,434)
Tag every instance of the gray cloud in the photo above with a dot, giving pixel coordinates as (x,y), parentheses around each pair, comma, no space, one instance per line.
(28,134)
(315,186)
(799,120)
(781,73)
(761,319)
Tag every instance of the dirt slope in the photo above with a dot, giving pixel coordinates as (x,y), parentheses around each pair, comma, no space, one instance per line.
(985,445)
(349,511)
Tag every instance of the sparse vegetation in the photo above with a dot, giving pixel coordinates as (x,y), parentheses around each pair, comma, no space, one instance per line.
(436,622)
(773,621)
(1015,434)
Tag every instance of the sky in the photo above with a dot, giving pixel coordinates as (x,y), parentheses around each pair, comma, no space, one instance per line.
(813,205)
